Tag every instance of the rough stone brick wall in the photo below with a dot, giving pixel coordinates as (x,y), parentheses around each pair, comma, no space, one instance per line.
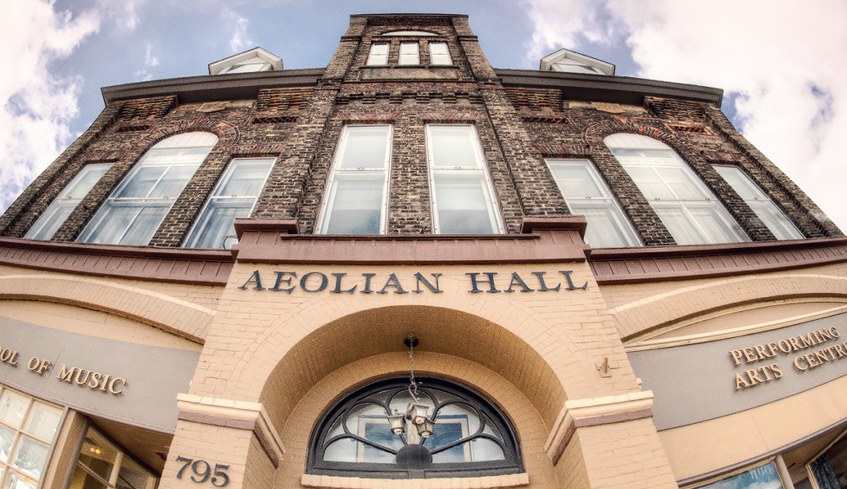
(281,197)
(377,26)
(20,216)
(518,128)
(690,129)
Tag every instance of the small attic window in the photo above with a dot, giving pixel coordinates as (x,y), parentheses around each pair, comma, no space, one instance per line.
(254,60)
(409,33)
(567,61)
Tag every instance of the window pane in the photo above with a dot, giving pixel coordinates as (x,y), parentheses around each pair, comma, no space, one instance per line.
(409,54)
(575,180)
(52,219)
(31,456)
(775,220)
(681,183)
(147,220)
(132,476)
(173,181)
(649,183)
(364,147)
(12,408)
(123,223)
(244,178)
(439,54)
(7,436)
(462,203)
(453,147)
(587,195)
(216,227)
(67,200)
(15,481)
(378,54)
(43,421)
(98,454)
(141,183)
(84,181)
(763,477)
(355,203)
(771,215)
(680,227)
(607,227)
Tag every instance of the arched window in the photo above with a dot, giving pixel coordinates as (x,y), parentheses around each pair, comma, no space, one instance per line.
(471,437)
(686,206)
(134,211)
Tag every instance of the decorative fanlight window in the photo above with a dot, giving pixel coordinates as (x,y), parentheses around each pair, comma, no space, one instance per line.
(470,436)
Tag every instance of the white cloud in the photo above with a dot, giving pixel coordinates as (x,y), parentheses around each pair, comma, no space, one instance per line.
(786,61)
(149,62)
(239,41)
(36,105)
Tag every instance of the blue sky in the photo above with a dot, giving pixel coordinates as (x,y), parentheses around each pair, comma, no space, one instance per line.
(783,65)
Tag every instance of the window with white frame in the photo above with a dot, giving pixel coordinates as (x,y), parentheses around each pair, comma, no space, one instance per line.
(409,54)
(356,199)
(687,208)
(234,196)
(67,200)
(439,54)
(27,431)
(378,55)
(104,465)
(463,201)
(131,215)
(586,194)
(775,220)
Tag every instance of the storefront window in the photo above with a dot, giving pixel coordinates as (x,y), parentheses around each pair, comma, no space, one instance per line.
(27,429)
(761,477)
(102,464)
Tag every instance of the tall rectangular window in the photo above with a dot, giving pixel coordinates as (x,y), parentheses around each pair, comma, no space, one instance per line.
(775,220)
(233,197)
(462,198)
(356,200)
(67,200)
(587,194)
(378,55)
(409,54)
(134,211)
(27,431)
(439,54)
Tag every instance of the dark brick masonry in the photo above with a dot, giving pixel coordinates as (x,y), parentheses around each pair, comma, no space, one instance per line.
(518,127)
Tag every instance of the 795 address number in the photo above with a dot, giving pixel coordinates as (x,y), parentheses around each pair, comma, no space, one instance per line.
(202,471)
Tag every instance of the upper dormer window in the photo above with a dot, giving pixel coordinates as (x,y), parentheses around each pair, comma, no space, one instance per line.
(378,55)
(567,61)
(409,33)
(254,60)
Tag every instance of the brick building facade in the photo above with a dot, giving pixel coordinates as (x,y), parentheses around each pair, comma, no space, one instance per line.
(607,283)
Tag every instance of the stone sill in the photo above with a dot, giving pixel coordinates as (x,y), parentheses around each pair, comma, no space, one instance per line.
(511,480)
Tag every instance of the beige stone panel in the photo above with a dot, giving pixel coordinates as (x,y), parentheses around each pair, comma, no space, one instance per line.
(626,455)
(645,307)
(571,470)
(174,315)
(557,337)
(215,445)
(75,319)
(749,435)
(528,425)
